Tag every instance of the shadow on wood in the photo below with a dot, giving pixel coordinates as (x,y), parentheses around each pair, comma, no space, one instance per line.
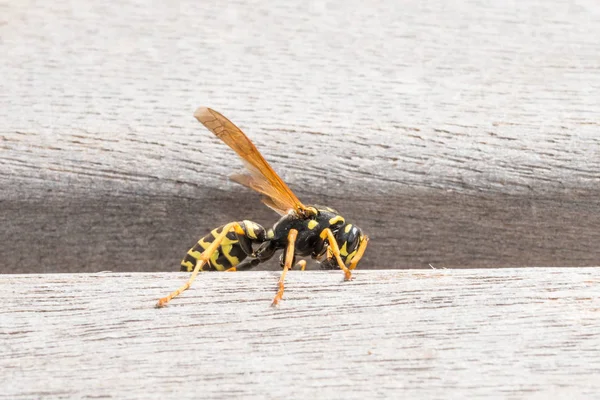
(408,230)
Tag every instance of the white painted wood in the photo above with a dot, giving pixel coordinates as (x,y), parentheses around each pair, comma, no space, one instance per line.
(436,334)
(465,96)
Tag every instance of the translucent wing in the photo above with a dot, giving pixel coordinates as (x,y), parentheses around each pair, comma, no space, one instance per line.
(261,178)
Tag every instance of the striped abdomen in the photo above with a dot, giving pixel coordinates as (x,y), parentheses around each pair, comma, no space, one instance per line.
(230,251)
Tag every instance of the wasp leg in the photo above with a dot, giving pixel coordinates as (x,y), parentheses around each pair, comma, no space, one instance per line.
(245,265)
(253,262)
(361,250)
(301,264)
(264,253)
(203,259)
(289,258)
(336,252)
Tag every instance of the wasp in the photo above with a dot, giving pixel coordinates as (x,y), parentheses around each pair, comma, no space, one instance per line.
(316,231)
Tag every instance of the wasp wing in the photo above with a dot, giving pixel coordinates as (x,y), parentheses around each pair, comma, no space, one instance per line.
(261,178)
(248,180)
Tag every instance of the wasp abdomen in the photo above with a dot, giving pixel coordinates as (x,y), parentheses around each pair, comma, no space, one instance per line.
(234,248)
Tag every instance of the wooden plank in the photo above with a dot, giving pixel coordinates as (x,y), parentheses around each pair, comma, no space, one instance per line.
(463,135)
(437,334)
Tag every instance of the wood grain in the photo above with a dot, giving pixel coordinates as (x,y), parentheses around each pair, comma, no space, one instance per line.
(463,134)
(437,334)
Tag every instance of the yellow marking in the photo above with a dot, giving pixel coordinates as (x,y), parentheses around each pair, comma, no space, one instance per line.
(311,211)
(250,228)
(189,265)
(258,228)
(215,264)
(270,234)
(312,224)
(225,247)
(351,256)
(194,253)
(237,229)
(343,250)
(348,227)
(204,257)
(336,219)
(232,259)
(203,243)
(226,241)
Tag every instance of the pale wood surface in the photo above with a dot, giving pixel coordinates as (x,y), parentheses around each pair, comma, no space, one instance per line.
(434,334)
(456,133)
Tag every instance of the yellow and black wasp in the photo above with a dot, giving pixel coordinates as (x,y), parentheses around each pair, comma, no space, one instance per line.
(314,231)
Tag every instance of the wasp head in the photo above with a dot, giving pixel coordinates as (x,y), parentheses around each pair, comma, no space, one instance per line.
(352,243)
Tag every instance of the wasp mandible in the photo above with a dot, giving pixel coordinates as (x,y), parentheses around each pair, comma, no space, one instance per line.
(314,230)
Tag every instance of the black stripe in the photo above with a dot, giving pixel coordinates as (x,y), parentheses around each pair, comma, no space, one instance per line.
(236,251)
(222,259)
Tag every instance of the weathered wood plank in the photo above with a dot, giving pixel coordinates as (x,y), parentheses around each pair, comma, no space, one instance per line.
(508,333)
(463,135)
